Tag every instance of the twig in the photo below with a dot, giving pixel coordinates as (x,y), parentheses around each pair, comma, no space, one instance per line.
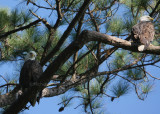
(8,84)
(3,28)
(43,20)
(103,84)
(89,98)
(4,79)
(48,3)
(33,3)
(150,75)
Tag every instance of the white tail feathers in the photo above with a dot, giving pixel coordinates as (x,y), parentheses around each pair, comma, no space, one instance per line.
(141,48)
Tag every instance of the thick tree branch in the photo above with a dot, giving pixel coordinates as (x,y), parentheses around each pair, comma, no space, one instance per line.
(84,37)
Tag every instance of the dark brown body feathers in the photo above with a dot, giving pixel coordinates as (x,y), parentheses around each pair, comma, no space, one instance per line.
(30,73)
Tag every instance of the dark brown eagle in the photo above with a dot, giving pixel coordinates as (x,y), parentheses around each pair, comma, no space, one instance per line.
(143,32)
(29,75)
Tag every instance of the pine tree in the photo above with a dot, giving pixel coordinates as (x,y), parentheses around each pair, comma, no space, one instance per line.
(70,60)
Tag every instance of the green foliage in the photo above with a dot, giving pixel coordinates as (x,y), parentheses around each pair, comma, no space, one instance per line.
(146,87)
(65,99)
(18,18)
(95,88)
(86,63)
(29,40)
(78,88)
(121,59)
(136,55)
(96,104)
(136,3)
(100,3)
(129,23)
(116,26)
(135,74)
(15,18)
(120,88)
(64,68)
(65,3)
(4,19)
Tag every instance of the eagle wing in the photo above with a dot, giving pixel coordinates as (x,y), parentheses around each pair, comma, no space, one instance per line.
(30,73)
(143,33)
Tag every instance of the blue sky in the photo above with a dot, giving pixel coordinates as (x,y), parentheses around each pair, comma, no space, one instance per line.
(127,104)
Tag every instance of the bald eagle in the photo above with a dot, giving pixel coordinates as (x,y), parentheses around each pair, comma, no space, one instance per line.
(143,32)
(29,74)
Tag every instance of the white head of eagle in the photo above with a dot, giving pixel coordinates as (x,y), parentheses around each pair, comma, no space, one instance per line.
(31,56)
(30,73)
(143,32)
(146,18)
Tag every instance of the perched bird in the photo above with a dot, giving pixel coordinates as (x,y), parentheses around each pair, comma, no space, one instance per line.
(143,32)
(29,75)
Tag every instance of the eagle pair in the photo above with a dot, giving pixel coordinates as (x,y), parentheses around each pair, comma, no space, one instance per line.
(142,33)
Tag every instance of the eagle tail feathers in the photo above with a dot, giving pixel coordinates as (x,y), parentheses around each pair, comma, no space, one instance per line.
(33,101)
(39,96)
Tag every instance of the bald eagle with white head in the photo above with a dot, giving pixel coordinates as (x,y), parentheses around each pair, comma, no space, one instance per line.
(30,73)
(143,32)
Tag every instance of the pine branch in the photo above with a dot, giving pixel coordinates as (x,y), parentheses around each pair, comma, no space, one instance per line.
(4,35)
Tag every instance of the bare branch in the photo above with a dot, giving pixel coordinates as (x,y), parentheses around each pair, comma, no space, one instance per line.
(33,3)
(43,20)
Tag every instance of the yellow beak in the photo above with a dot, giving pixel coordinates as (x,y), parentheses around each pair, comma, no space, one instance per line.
(151,19)
(31,54)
